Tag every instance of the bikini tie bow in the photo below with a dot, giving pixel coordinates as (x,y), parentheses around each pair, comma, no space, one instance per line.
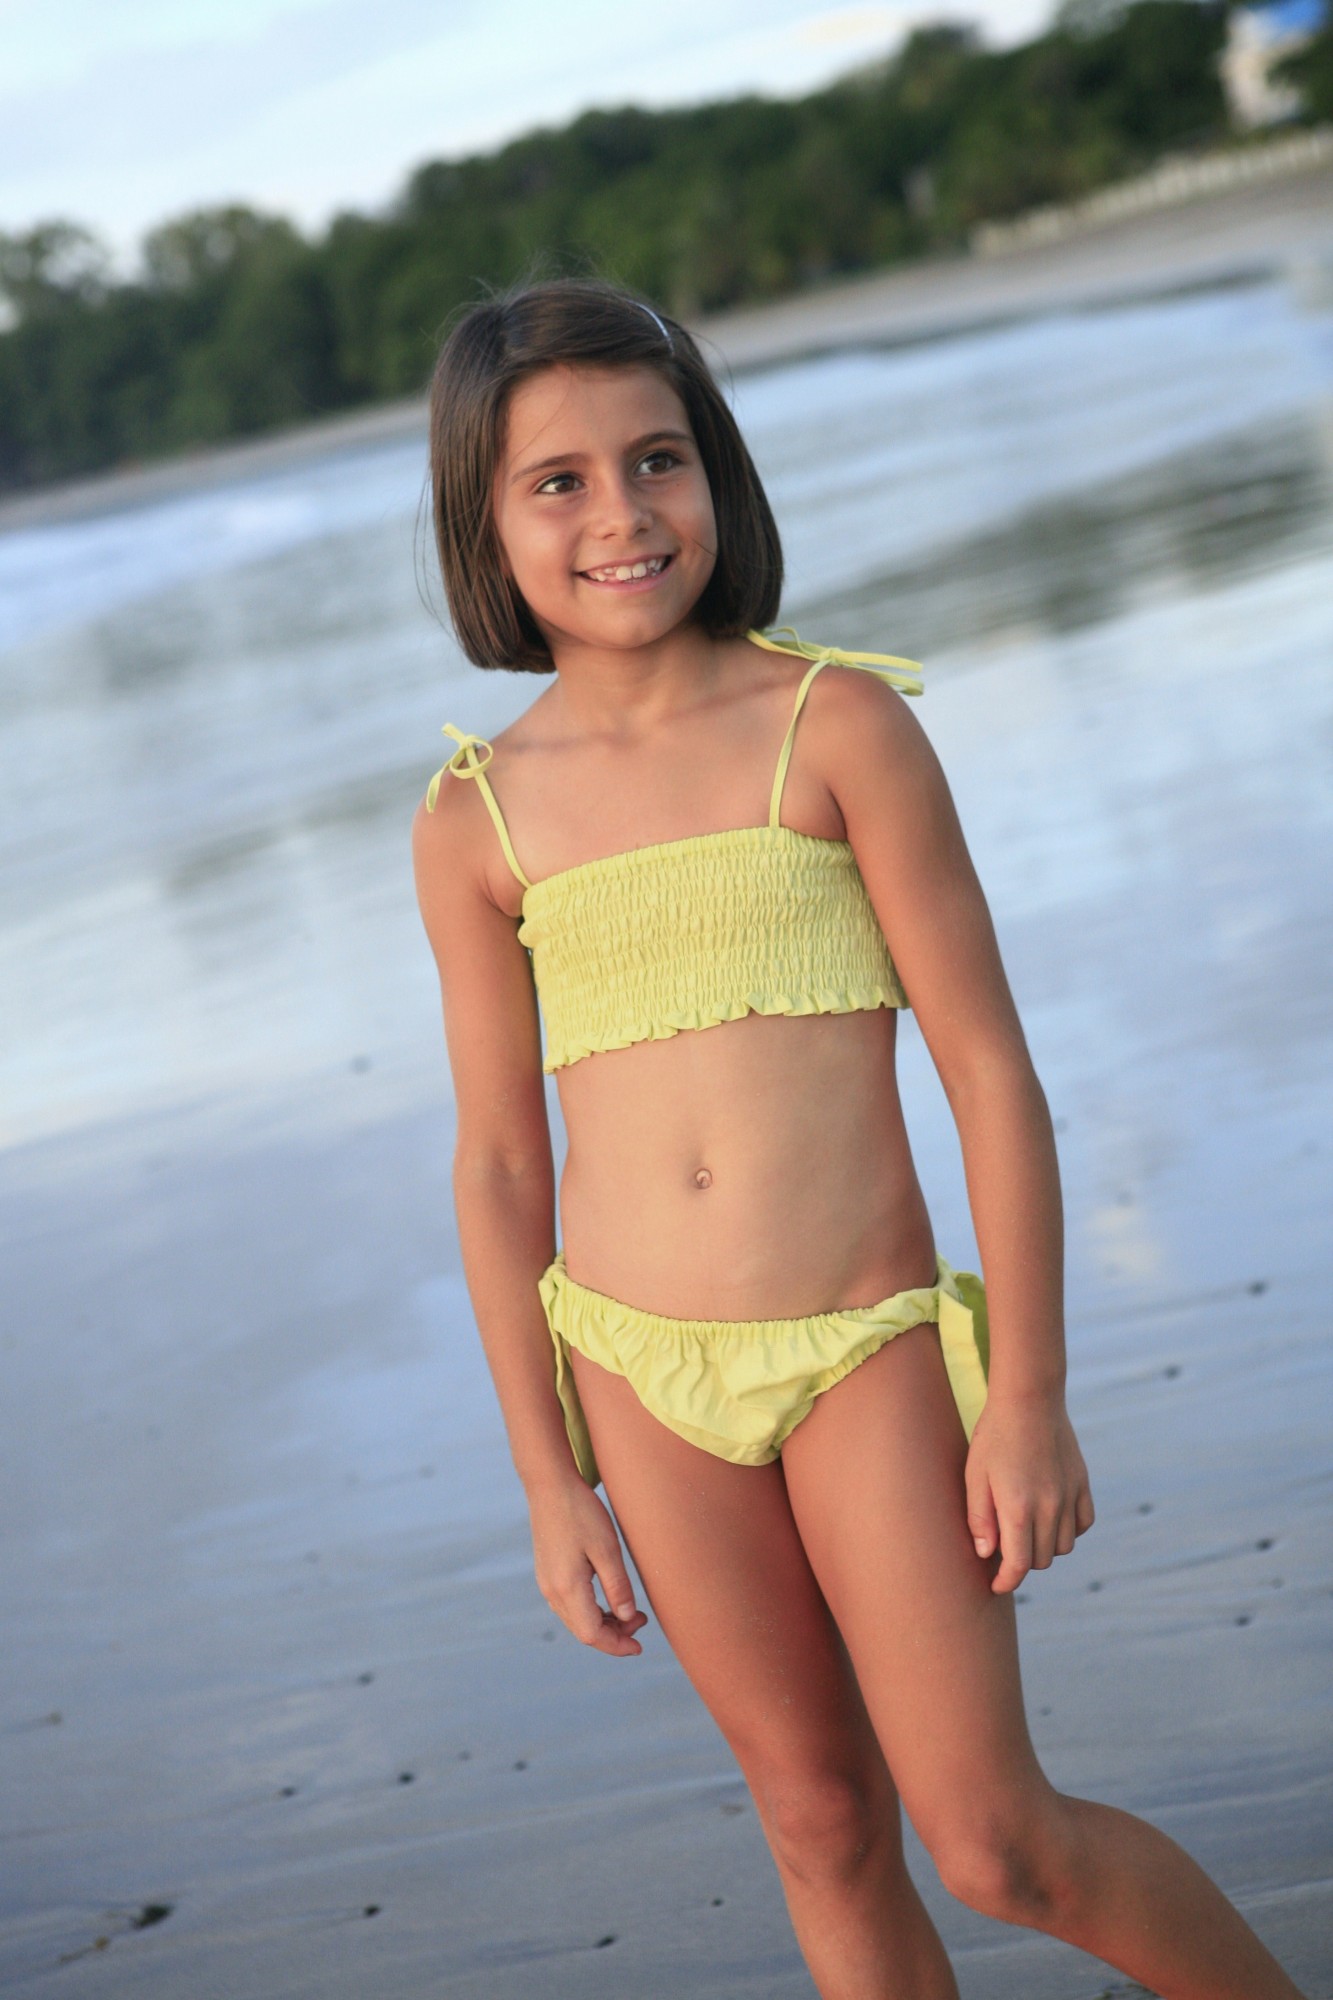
(465,762)
(905,675)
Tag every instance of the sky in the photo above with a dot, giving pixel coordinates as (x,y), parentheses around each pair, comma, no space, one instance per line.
(120,113)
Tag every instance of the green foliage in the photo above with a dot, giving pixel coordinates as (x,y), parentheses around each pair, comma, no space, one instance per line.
(237,323)
(271,358)
(201,250)
(56,267)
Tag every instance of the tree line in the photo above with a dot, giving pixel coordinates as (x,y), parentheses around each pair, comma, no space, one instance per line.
(237,322)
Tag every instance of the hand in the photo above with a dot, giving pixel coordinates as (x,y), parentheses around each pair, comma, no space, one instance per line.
(574,1540)
(1027,1487)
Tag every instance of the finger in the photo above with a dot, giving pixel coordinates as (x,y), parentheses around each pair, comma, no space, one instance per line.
(614,1579)
(1016,1554)
(615,1640)
(1008,1576)
(1065,1532)
(583,1615)
(574,1603)
(1043,1545)
(1084,1511)
(982,1522)
(612,1622)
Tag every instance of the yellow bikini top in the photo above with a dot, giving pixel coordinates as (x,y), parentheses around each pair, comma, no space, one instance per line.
(693,932)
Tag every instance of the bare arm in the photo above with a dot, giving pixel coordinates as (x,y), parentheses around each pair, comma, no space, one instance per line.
(504,1197)
(1027,1483)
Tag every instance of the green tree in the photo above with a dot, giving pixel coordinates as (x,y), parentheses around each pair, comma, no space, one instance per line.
(237,323)
(54,267)
(272,356)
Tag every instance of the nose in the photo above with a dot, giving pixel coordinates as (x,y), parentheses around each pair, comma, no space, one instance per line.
(622,510)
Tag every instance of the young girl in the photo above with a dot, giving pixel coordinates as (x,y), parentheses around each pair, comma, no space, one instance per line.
(723,861)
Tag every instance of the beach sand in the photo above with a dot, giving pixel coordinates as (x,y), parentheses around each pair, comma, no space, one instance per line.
(284,1715)
(276,1665)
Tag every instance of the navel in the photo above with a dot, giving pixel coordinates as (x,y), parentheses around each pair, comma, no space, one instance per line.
(702,1178)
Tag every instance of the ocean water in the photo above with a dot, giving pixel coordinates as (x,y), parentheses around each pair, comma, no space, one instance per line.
(217,711)
(264,1548)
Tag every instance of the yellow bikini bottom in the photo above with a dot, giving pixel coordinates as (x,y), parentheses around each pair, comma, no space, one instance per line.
(739,1387)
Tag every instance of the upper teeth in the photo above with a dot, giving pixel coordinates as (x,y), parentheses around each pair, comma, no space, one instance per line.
(623,572)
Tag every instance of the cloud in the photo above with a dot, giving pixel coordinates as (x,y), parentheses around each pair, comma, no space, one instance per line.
(845,25)
(305,106)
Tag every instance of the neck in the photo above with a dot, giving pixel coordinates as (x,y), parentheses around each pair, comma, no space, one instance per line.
(627,689)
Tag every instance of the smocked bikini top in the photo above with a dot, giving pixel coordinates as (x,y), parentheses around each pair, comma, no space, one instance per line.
(693,932)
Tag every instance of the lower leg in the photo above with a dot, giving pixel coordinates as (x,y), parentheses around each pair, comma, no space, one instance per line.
(936,1656)
(1124,1891)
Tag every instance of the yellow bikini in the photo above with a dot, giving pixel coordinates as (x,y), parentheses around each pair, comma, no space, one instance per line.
(739,1387)
(684,935)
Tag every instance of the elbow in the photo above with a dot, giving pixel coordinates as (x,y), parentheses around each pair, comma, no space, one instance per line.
(509,1167)
(992,1072)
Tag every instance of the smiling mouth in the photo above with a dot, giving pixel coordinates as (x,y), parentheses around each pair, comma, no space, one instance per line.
(634,572)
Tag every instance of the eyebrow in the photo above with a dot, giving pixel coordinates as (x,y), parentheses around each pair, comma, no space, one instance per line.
(575,457)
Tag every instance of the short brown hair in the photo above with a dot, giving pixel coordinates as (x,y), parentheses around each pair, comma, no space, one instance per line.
(499,343)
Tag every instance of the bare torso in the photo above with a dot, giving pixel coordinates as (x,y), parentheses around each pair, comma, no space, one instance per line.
(756,1169)
(759,1169)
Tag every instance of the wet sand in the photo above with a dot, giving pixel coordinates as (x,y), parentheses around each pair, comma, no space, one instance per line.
(284,1714)
(276,1666)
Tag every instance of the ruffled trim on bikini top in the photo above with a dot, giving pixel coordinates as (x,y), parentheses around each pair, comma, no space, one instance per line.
(692,933)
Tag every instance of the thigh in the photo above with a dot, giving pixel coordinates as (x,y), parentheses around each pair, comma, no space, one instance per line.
(730,1585)
(874,1477)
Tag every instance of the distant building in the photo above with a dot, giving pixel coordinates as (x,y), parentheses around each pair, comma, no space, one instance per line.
(1257,37)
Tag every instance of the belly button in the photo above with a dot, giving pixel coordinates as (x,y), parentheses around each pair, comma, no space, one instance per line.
(703,1178)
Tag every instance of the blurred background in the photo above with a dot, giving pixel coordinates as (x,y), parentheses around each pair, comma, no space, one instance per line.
(1028,319)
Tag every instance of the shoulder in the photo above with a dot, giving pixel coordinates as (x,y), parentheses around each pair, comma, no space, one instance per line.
(448,862)
(443,824)
(454,848)
(861,722)
(870,750)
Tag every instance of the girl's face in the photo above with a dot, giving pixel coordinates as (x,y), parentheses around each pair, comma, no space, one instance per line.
(603,507)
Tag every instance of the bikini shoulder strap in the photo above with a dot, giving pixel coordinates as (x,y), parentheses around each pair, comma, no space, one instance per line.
(784,755)
(905,675)
(466,762)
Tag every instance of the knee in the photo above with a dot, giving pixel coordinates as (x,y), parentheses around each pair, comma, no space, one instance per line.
(821,1826)
(1014,1867)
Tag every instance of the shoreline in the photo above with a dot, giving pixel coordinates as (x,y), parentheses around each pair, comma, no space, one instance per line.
(1243,235)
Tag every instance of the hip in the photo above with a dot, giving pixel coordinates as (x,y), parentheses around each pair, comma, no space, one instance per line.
(738,1388)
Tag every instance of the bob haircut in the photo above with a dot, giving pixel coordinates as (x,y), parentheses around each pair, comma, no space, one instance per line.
(500,343)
